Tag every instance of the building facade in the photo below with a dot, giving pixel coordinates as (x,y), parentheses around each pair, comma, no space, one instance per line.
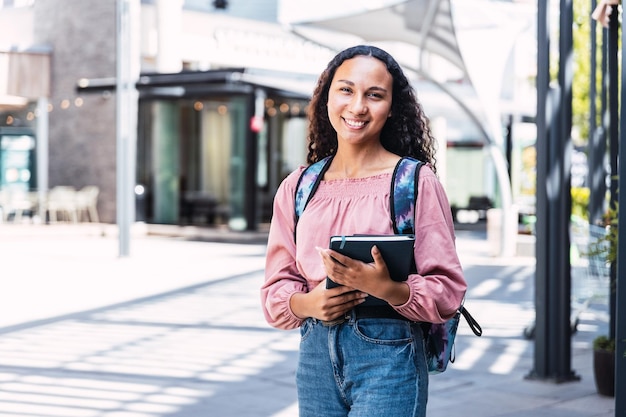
(214,137)
(221,108)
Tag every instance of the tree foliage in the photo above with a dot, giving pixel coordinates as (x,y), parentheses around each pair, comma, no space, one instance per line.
(581,82)
(582,70)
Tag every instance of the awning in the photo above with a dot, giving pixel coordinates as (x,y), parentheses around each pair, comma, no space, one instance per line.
(432,26)
(24,73)
(195,82)
(461,32)
(426,24)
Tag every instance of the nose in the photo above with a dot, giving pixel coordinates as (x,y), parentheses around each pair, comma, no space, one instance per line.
(358,105)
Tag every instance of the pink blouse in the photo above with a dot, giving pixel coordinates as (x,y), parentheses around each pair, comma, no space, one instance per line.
(361,205)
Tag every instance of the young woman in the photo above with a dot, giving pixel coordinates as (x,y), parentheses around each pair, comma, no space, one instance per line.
(354,360)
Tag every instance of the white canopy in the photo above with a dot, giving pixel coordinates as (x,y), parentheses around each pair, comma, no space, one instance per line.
(462,33)
(426,24)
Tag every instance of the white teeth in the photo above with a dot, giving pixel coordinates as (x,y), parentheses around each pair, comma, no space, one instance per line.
(354,123)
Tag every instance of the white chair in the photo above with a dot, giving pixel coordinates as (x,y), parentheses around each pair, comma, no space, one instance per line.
(16,202)
(87,203)
(61,202)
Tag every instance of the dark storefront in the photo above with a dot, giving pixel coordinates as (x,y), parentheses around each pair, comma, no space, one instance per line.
(17,160)
(213,146)
(18,167)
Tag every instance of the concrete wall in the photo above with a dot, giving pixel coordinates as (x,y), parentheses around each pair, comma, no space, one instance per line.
(82,135)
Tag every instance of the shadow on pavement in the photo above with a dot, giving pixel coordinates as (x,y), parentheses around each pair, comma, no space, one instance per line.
(197,350)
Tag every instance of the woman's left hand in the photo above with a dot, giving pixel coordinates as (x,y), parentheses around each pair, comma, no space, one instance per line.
(372,278)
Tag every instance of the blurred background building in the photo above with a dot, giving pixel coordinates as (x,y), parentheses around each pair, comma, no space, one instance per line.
(222,91)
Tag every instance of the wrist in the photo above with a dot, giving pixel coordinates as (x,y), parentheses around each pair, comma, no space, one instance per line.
(397,294)
(296,305)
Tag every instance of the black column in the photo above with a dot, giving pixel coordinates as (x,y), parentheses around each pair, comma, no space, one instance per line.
(620,303)
(251,152)
(596,146)
(544,122)
(560,299)
(613,130)
(553,278)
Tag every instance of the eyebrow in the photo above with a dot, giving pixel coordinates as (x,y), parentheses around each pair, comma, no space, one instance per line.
(375,87)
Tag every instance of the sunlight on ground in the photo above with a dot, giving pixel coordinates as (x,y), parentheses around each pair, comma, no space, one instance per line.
(145,359)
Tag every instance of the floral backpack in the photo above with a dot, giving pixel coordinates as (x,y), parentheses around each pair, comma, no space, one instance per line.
(438,337)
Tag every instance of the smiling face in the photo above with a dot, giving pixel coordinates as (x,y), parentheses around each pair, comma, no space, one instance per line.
(359,99)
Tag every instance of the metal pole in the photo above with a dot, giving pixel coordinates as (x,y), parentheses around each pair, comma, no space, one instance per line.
(256,106)
(553,284)
(620,284)
(42,155)
(597,142)
(613,130)
(561,298)
(126,123)
(543,128)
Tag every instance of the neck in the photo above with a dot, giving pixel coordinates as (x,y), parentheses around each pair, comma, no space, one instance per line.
(362,164)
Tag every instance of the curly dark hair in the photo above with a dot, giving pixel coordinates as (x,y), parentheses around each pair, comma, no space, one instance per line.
(406,132)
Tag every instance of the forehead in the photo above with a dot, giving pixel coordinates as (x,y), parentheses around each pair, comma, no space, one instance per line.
(363,68)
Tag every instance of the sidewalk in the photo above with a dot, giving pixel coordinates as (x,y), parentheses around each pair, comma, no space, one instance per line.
(175,329)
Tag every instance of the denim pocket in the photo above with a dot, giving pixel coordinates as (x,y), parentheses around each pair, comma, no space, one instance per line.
(384,331)
(306,328)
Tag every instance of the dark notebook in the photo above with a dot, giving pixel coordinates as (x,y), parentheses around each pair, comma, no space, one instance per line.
(396,250)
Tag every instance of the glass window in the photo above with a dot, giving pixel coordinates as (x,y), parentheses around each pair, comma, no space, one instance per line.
(198,161)
(17,162)
(191,160)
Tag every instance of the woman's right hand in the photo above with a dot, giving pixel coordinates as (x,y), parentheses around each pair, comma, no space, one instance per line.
(326,304)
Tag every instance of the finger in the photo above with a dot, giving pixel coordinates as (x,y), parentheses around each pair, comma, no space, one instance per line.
(343,289)
(345,301)
(354,297)
(329,256)
(342,309)
(377,256)
(338,258)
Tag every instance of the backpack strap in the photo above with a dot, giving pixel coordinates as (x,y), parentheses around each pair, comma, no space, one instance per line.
(307,185)
(473,324)
(403,195)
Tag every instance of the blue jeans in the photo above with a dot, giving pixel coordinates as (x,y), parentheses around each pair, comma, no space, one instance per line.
(362,368)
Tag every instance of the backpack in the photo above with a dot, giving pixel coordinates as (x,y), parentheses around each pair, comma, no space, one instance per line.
(438,337)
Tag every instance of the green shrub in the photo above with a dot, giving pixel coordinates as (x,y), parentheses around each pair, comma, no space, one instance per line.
(604,343)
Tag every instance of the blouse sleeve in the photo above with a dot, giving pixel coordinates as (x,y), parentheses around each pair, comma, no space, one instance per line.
(438,287)
(282,278)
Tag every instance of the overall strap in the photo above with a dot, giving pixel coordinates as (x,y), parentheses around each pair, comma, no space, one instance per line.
(403,195)
(307,185)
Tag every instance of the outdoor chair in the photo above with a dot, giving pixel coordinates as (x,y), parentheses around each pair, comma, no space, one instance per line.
(16,203)
(61,203)
(87,203)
